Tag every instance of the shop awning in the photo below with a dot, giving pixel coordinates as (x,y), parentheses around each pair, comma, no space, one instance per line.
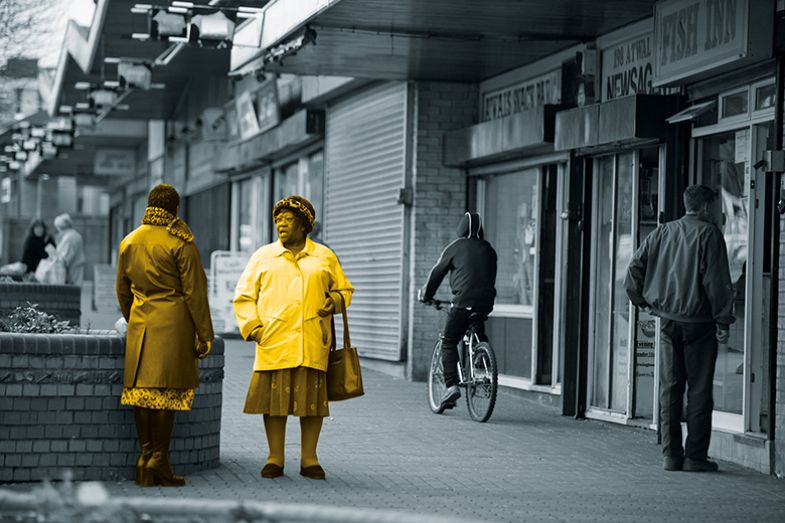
(527,132)
(692,112)
(617,123)
(458,40)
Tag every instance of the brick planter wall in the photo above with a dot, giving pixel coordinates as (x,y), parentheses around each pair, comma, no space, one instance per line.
(60,408)
(62,301)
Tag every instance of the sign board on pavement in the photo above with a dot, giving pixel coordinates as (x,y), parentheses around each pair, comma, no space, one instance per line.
(226,267)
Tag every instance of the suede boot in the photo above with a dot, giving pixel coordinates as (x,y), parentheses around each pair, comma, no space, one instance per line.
(158,465)
(144,432)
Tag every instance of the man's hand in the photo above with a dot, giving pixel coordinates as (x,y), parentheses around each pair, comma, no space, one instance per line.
(723,334)
(422,298)
(328,307)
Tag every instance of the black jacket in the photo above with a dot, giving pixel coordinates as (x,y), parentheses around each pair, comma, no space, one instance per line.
(471,262)
(34,250)
(681,272)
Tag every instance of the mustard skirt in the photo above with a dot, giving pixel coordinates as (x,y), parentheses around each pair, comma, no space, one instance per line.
(300,391)
(159,399)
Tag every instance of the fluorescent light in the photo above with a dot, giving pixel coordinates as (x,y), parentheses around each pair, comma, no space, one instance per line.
(139,11)
(183,4)
(82,86)
(140,36)
(112,60)
(82,105)
(243,9)
(158,85)
(178,39)
(143,6)
(178,10)
(66,109)
(112,84)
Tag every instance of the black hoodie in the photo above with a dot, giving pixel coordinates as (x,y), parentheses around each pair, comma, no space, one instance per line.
(471,262)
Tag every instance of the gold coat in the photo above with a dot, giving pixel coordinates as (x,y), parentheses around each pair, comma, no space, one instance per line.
(162,291)
(277,299)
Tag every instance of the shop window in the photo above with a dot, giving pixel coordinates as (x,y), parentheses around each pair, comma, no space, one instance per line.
(306,178)
(735,104)
(511,210)
(765,96)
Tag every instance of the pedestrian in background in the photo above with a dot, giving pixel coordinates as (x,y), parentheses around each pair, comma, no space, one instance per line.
(34,249)
(162,291)
(70,249)
(283,302)
(681,273)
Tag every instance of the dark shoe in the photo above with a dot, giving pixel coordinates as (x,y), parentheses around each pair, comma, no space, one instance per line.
(450,397)
(271,470)
(700,465)
(672,463)
(313,472)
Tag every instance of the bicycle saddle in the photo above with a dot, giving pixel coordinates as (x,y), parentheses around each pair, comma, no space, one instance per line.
(477,316)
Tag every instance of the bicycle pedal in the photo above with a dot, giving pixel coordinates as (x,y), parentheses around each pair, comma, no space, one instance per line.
(448,406)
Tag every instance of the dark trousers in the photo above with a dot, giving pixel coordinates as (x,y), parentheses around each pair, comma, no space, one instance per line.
(688,354)
(454,329)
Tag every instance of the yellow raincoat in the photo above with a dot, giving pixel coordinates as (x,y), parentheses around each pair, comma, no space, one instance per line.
(279,294)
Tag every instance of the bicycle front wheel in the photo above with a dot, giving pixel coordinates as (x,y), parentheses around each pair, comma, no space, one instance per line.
(436,386)
(483,384)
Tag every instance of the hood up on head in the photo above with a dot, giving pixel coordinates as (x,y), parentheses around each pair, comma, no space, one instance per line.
(470,226)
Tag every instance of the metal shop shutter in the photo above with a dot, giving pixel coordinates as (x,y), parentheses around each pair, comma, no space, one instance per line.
(365,168)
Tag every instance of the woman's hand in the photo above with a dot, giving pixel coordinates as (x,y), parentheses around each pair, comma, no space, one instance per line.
(203,348)
(328,307)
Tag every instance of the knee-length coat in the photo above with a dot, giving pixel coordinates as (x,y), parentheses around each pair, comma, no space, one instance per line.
(162,290)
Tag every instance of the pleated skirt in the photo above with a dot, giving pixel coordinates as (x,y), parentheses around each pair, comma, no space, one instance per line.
(159,399)
(300,391)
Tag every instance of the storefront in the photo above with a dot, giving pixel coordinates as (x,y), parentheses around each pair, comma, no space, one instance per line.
(519,184)
(269,157)
(730,123)
(622,147)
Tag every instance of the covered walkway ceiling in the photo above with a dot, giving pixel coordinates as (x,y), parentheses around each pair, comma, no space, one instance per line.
(457,40)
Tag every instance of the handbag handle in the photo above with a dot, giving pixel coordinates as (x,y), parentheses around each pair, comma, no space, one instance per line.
(346,340)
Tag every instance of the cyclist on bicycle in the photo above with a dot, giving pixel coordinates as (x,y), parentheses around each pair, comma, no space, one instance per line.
(471,262)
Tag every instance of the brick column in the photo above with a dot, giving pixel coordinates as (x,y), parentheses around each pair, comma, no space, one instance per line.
(439,202)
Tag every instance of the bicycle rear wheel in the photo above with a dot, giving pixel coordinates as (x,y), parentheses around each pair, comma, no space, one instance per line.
(436,386)
(481,390)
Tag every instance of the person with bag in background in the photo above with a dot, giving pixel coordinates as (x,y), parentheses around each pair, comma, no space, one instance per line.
(70,250)
(681,274)
(34,249)
(162,291)
(284,301)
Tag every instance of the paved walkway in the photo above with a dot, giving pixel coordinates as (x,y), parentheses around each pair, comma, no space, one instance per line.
(386,450)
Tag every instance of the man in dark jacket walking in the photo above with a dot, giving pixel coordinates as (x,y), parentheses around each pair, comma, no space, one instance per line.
(471,262)
(680,273)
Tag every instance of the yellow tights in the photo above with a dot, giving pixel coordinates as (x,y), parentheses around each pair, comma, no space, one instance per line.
(310,428)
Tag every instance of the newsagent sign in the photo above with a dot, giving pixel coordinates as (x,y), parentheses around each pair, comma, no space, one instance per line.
(695,37)
(628,68)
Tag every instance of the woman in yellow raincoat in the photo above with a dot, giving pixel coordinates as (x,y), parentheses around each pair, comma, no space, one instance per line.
(283,302)
(162,291)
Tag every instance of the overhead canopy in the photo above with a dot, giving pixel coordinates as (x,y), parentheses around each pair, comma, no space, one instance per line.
(458,40)
(109,36)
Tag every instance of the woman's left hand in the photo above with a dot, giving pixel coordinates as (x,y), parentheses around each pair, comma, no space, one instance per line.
(203,348)
(328,307)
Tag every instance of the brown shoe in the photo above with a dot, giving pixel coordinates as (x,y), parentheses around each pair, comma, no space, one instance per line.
(271,470)
(313,472)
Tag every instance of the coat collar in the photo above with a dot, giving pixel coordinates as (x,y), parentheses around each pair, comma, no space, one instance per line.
(310,248)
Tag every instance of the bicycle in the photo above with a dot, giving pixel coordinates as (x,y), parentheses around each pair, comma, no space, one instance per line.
(480,379)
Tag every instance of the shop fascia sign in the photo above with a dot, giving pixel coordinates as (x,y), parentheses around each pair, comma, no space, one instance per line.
(628,67)
(5,190)
(114,162)
(694,37)
(521,96)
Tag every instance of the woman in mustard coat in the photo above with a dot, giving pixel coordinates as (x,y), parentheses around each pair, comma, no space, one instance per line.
(283,302)
(162,291)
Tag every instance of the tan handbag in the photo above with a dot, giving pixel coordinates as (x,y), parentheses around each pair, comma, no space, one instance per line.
(344,377)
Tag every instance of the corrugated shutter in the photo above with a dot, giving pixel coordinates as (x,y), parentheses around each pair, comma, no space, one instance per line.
(365,169)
